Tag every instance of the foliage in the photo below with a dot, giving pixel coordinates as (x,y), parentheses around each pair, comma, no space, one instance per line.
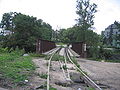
(105,53)
(25,31)
(7,22)
(86,12)
(77,34)
(3,50)
(47,57)
(93,52)
(36,55)
(44,76)
(64,67)
(99,53)
(15,67)
(56,57)
(75,62)
(90,88)
(51,88)
(45,87)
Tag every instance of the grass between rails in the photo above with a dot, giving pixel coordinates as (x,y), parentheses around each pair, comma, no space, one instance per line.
(15,67)
(37,55)
(56,57)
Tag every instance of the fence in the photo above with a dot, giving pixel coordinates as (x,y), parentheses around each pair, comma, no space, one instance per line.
(79,48)
(44,45)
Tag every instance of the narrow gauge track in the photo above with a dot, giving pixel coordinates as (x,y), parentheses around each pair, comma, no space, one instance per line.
(63,64)
(49,64)
(51,51)
(66,74)
(86,79)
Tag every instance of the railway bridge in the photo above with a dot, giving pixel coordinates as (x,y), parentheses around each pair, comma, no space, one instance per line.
(45,45)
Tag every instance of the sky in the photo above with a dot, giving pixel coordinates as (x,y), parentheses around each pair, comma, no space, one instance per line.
(62,13)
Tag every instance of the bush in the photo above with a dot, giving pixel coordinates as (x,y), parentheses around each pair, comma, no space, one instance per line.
(99,53)
(14,66)
(105,53)
(37,55)
(93,52)
(3,50)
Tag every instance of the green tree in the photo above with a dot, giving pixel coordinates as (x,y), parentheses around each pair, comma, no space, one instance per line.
(7,21)
(86,12)
(26,30)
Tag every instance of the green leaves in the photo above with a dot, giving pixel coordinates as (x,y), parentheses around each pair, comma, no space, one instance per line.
(14,66)
(25,31)
(86,12)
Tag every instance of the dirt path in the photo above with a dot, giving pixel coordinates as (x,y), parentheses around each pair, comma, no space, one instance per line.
(103,72)
(3,88)
(57,79)
(56,74)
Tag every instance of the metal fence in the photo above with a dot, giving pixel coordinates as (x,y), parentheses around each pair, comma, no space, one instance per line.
(44,45)
(80,48)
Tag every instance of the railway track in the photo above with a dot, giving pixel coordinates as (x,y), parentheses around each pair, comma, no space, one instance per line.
(49,64)
(63,64)
(86,79)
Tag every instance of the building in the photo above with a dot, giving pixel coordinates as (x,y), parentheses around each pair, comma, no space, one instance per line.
(110,35)
(5,32)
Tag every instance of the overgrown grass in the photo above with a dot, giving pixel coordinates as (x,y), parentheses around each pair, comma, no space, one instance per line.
(61,44)
(45,87)
(15,67)
(89,88)
(44,76)
(75,62)
(113,61)
(56,57)
(36,55)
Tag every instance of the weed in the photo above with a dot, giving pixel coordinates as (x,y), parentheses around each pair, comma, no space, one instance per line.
(44,76)
(55,57)
(89,88)
(51,88)
(47,57)
(16,67)
(36,55)
(45,87)
(64,67)
(75,62)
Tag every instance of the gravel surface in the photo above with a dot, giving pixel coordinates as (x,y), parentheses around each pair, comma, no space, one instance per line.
(56,74)
(3,89)
(105,73)
(57,78)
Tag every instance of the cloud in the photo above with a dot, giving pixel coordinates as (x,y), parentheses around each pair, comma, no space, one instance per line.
(55,12)
(107,13)
(62,13)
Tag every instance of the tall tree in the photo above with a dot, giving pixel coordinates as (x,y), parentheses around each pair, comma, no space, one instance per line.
(7,21)
(86,12)
(26,30)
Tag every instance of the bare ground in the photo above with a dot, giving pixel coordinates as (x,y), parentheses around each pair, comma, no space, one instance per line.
(105,73)
(57,79)
(55,74)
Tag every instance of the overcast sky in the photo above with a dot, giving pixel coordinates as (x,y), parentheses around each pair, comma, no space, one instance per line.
(62,13)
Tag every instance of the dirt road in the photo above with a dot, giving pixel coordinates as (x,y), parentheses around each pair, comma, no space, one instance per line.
(104,73)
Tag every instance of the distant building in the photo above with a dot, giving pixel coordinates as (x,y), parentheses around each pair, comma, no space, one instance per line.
(110,35)
(5,32)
